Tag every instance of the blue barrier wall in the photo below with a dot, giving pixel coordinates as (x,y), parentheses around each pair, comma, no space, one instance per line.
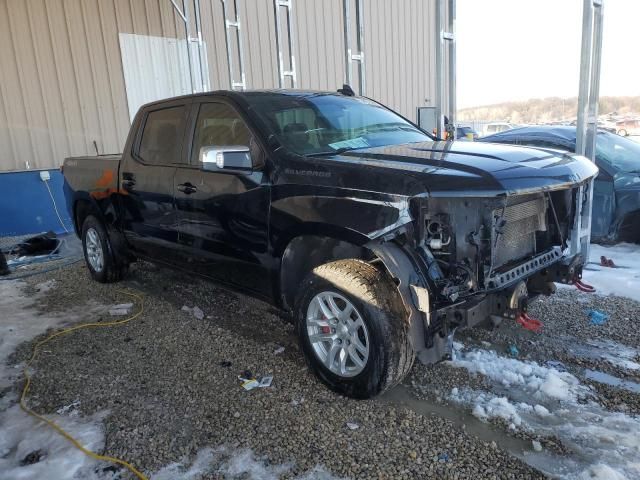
(26,206)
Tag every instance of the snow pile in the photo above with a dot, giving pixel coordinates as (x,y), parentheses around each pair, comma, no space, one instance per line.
(624,280)
(56,457)
(233,464)
(548,402)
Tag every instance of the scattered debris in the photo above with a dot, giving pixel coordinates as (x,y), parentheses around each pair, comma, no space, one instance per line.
(278,351)
(597,317)
(295,402)
(352,426)
(443,457)
(225,364)
(559,366)
(32,457)
(529,323)
(513,351)
(121,309)
(249,383)
(607,262)
(195,311)
(537,446)
(583,287)
(266,381)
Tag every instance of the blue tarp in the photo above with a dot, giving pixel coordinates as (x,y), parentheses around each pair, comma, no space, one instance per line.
(26,206)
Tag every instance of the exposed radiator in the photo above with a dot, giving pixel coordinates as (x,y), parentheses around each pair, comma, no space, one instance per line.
(519,224)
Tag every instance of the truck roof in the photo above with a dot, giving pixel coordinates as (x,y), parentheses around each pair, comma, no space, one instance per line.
(248,93)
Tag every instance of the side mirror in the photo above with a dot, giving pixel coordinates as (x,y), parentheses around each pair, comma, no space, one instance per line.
(226,157)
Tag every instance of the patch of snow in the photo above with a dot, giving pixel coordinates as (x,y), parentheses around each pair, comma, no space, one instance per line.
(233,464)
(70,409)
(200,466)
(22,434)
(195,311)
(613,352)
(548,402)
(20,323)
(623,281)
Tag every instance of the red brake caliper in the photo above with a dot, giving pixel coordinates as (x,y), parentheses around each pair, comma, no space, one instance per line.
(529,323)
(325,328)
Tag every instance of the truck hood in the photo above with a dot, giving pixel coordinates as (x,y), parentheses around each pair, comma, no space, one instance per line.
(474,169)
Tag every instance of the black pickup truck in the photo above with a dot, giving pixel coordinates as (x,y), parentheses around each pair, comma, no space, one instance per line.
(379,239)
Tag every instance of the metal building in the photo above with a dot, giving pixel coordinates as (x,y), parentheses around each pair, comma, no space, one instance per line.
(74,72)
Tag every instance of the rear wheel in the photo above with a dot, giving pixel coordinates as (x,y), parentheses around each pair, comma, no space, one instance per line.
(98,253)
(353,328)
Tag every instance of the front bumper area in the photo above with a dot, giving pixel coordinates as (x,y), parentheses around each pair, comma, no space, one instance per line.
(507,302)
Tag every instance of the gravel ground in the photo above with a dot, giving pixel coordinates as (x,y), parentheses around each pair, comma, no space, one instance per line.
(169,382)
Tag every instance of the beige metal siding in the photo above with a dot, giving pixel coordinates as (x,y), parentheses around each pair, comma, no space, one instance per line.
(399,59)
(62,84)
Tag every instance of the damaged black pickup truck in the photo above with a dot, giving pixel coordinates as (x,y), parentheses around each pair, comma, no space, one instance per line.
(378,239)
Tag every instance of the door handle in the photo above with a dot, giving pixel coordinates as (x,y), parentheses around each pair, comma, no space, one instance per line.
(187,188)
(128,180)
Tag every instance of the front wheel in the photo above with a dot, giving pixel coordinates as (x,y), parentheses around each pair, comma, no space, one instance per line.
(353,328)
(622,132)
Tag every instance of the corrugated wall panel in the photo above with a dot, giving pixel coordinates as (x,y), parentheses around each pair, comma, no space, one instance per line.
(399,58)
(19,145)
(213,35)
(260,43)
(320,44)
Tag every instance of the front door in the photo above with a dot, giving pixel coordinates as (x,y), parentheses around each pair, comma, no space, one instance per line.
(146,179)
(223,212)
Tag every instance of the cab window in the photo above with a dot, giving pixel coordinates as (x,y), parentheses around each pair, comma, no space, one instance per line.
(218,125)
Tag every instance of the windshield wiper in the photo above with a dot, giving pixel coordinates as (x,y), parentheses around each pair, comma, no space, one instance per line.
(333,152)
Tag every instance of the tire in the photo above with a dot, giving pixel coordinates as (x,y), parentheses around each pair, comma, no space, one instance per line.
(98,254)
(622,132)
(384,327)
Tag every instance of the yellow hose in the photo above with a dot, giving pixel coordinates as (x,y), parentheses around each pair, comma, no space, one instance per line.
(53,425)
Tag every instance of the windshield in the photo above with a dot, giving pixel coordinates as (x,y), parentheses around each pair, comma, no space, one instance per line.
(324,123)
(619,152)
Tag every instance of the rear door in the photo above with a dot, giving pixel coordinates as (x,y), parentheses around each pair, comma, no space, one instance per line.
(223,212)
(146,179)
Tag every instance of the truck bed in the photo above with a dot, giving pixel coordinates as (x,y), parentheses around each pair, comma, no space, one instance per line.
(97,175)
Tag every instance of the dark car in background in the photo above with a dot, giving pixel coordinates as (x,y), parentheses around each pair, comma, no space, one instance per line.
(616,199)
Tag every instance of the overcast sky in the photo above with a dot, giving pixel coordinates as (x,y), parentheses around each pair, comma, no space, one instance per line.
(519,49)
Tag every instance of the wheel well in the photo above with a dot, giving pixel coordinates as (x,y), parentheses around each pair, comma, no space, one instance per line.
(82,210)
(629,230)
(306,252)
